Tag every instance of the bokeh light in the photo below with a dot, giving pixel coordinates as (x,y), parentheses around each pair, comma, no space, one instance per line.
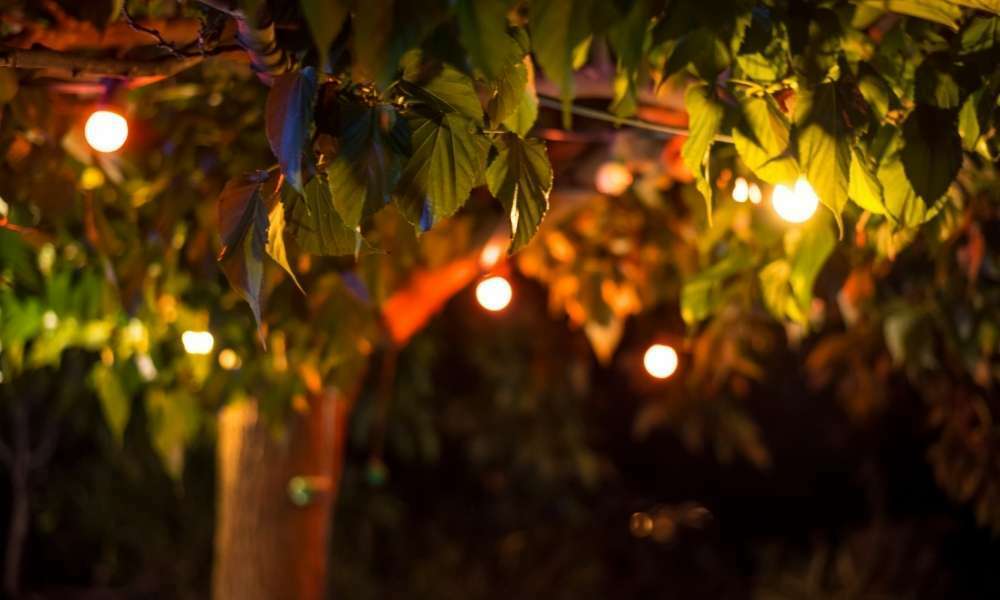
(797,204)
(660,361)
(741,190)
(197,342)
(754,193)
(494,293)
(106,131)
(229,360)
(613,178)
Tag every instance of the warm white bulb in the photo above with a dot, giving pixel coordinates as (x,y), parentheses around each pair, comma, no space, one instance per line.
(660,361)
(613,179)
(491,254)
(741,190)
(106,131)
(754,193)
(797,204)
(229,360)
(494,293)
(197,342)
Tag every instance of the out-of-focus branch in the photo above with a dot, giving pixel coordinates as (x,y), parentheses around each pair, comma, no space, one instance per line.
(76,65)
(256,34)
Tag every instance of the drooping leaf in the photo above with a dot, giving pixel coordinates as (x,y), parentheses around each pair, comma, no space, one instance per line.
(373,144)
(901,200)
(969,127)
(289,114)
(864,188)
(787,283)
(243,228)
(325,19)
(314,223)
(762,140)
(943,12)
(508,91)
(444,88)
(702,50)
(116,404)
(521,178)
(448,159)
(875,90)
(703,292)
(557,28)
(630,39)
(522,118)
(705,113)
(482,27)
(761,46)
(932,151)
(276,241)
(823,145)
(936,82)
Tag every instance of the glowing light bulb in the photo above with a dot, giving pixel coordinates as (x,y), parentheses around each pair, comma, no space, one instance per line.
(491,254)
(754,193)
(197,342)
(229,360)
(106,131)
(494,293)
(613,179)
(660,361)
(741,190)
(797,204)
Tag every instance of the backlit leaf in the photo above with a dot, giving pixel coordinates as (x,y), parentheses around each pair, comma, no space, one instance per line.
(289,115)
(705,113)
(762,140)
(482,26)
(243,228)
(521,178)
(276,241)
(823,145)
(315,224)
(116,404)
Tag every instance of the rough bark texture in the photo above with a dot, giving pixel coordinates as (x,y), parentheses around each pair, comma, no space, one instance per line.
(267,547)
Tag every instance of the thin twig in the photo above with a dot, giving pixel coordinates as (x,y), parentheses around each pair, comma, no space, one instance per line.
(160,40)
(600,115)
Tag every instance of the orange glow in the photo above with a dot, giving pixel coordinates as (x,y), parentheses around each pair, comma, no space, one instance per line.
(613,179)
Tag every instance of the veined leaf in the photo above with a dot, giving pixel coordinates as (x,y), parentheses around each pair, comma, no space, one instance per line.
(289,113)
(509,90)
(705,114)
(521,178)
(116,404)
(442,87)
(276,240)
(901,200)
(932,151)
(557,28)
(523,116)
(325,19)
(243,227)
(314,223)
(823,143)
(944,12)
(864,188)
(762,140)
(373,142)
(482,27)
(992,6)
(448,159)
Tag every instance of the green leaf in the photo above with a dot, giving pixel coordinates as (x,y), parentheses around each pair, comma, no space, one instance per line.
(448,159)
(116,404)
(968,121)
(787,283)
(509,91)
(275,246)
(979,35)
(440,86)
(702,50)
(243,228)
(482,29)
(901,201)
(521,178)
(823,145)
(936,82)
(875,90)
(522,118)
(762,140)
(630,39)
(314,223)
(864,188)
(761,46)
(557,28)
(173,420)
(932,151)
(938,11)
(702,293)
(325,18)
(289,113)
(705,113)
(373,142)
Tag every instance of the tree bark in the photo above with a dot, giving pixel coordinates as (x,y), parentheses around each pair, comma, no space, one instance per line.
(268,547)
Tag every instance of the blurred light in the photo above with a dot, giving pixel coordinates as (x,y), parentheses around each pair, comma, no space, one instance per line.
(640,524)
(50,320)
(197,342)
(754,193)
(229,360)
(660,361)
(797,204)
(147,369)
(106,131)
(491,253)
(494,293)
(613,178)
(741,190)
(91,178)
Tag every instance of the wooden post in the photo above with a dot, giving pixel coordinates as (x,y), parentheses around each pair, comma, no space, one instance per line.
(267,546)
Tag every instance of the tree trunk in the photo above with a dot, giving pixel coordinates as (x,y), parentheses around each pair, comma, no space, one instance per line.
(267,546)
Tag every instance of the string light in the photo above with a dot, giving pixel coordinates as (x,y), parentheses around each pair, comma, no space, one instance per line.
(197,342)
(754,193)
(741,190)
(494,293)
(797,204)
(660,361)
(613,178)
(106,131)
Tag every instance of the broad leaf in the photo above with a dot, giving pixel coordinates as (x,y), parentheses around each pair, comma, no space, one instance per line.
(509,90)
(702,49)
(938,11)
(522,118)
(373,143)
(762,140)
(936,82)
(705,113)
(289,115)
(521,178)
(702,293)
(557,28)
(314,223)
(864,188)
(482,27)
(901,200)
(787,283)
(761,46)
(630,39)
(173,420)
(325,19)
(276,241)
(932,151)
(243,228)
(440,86)
(823,144)
(448,159)
(116,404)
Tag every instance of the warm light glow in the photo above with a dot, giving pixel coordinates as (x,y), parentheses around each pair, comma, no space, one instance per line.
(613,179)
(754,193)
(795,205)
(229,360)
(741,190)
(494,293)
(491,253)
(197,342)
(660,361)
(106,131)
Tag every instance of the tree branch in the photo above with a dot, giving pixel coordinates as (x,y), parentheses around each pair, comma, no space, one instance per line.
(77,65)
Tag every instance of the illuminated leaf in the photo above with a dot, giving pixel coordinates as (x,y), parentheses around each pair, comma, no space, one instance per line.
(705,114)
(289,115)
(521,178)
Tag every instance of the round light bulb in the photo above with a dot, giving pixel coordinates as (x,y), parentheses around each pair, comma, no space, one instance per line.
(741,190)
(229,360)
(754,193)
(613,178)
(494,293)
(797,204)
(197,342)
(106,131)
(660,361)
